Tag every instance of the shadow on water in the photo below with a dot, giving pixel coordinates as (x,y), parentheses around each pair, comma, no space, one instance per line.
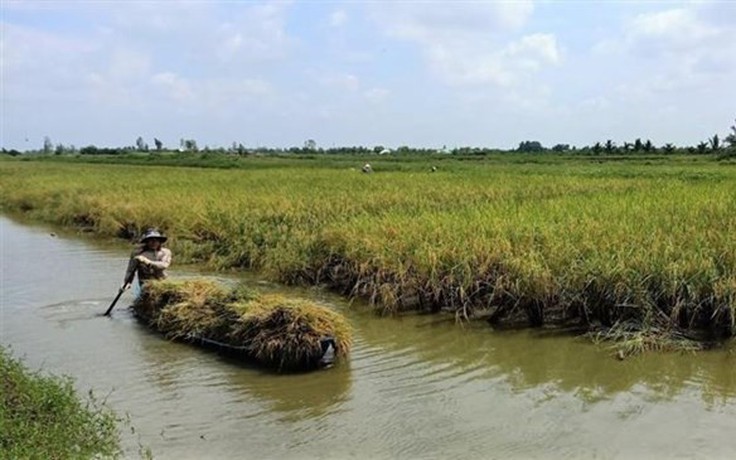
(307,396)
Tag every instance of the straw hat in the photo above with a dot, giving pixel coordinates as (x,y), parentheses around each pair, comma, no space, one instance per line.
(153,234)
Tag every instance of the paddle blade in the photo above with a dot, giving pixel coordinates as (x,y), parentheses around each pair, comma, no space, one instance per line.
(112,305)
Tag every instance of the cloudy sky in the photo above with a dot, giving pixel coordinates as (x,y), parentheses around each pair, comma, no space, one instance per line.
(420,73)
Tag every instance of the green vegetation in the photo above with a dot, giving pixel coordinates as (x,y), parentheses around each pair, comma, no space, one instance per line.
(310,147)
(601,244)
(280,333)
(41,417)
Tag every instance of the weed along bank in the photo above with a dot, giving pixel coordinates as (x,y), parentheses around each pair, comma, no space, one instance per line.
(277,332)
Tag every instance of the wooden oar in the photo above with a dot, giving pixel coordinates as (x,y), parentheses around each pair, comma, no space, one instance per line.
(120,292)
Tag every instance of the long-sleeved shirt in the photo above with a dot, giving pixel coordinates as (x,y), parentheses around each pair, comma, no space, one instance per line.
(160,261)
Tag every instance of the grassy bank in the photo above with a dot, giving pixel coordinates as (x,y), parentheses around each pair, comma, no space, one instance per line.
(42,417)
(615,248)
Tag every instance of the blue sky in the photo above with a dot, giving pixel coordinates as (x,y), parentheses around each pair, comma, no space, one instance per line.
(428,74)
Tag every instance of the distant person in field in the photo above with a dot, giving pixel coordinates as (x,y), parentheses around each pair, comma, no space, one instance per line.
(367,168)
(149,259)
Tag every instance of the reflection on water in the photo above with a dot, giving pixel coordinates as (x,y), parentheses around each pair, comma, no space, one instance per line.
(311,396)
(415,386)
(297,396)
(536,358)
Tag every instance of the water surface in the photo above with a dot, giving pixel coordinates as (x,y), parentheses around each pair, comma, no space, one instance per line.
(415,387)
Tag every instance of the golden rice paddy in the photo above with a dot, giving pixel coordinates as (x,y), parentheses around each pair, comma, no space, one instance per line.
(635,245)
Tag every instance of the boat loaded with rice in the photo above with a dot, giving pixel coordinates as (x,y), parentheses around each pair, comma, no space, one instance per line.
(284,334)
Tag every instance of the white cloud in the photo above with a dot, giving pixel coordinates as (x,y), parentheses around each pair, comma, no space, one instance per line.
(670,31)
(343,81)
(419,20)
(665,75)
(685,35)
(230,44)
(514,14)
(41,67)
(115,77)
(114,69)
(678,49)
(376,95)
(338,18)
(472,63)
(135,52)
(126,64)
(257,34)
(350,82)
(204,31)
(535,49)
(471,43)
(677,24)
(175,87)
(26,49)
(229,93)
(221,93)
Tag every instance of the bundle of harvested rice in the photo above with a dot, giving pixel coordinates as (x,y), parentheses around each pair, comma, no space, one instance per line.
(289,332)
(284,334)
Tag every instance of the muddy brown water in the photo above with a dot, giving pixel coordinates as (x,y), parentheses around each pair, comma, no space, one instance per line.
(414,387)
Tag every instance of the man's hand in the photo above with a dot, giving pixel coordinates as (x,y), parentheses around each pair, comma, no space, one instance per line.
(125,287)
(143,260)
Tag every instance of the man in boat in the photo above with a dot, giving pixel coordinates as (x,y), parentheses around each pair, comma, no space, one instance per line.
(150,259)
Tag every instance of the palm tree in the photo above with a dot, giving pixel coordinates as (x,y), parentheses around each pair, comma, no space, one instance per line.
(731,138)
(638,145)
(648,146)
(610,146)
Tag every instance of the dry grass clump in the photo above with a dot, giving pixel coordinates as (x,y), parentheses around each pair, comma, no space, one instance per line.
(630,339)
(280,333)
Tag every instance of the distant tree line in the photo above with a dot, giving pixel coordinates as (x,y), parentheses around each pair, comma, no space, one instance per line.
(92,150)
(723,148)
(609,147)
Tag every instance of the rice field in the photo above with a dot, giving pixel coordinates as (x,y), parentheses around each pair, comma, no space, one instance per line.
(643,250)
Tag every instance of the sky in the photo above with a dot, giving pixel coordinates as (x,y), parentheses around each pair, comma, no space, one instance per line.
(391,73)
